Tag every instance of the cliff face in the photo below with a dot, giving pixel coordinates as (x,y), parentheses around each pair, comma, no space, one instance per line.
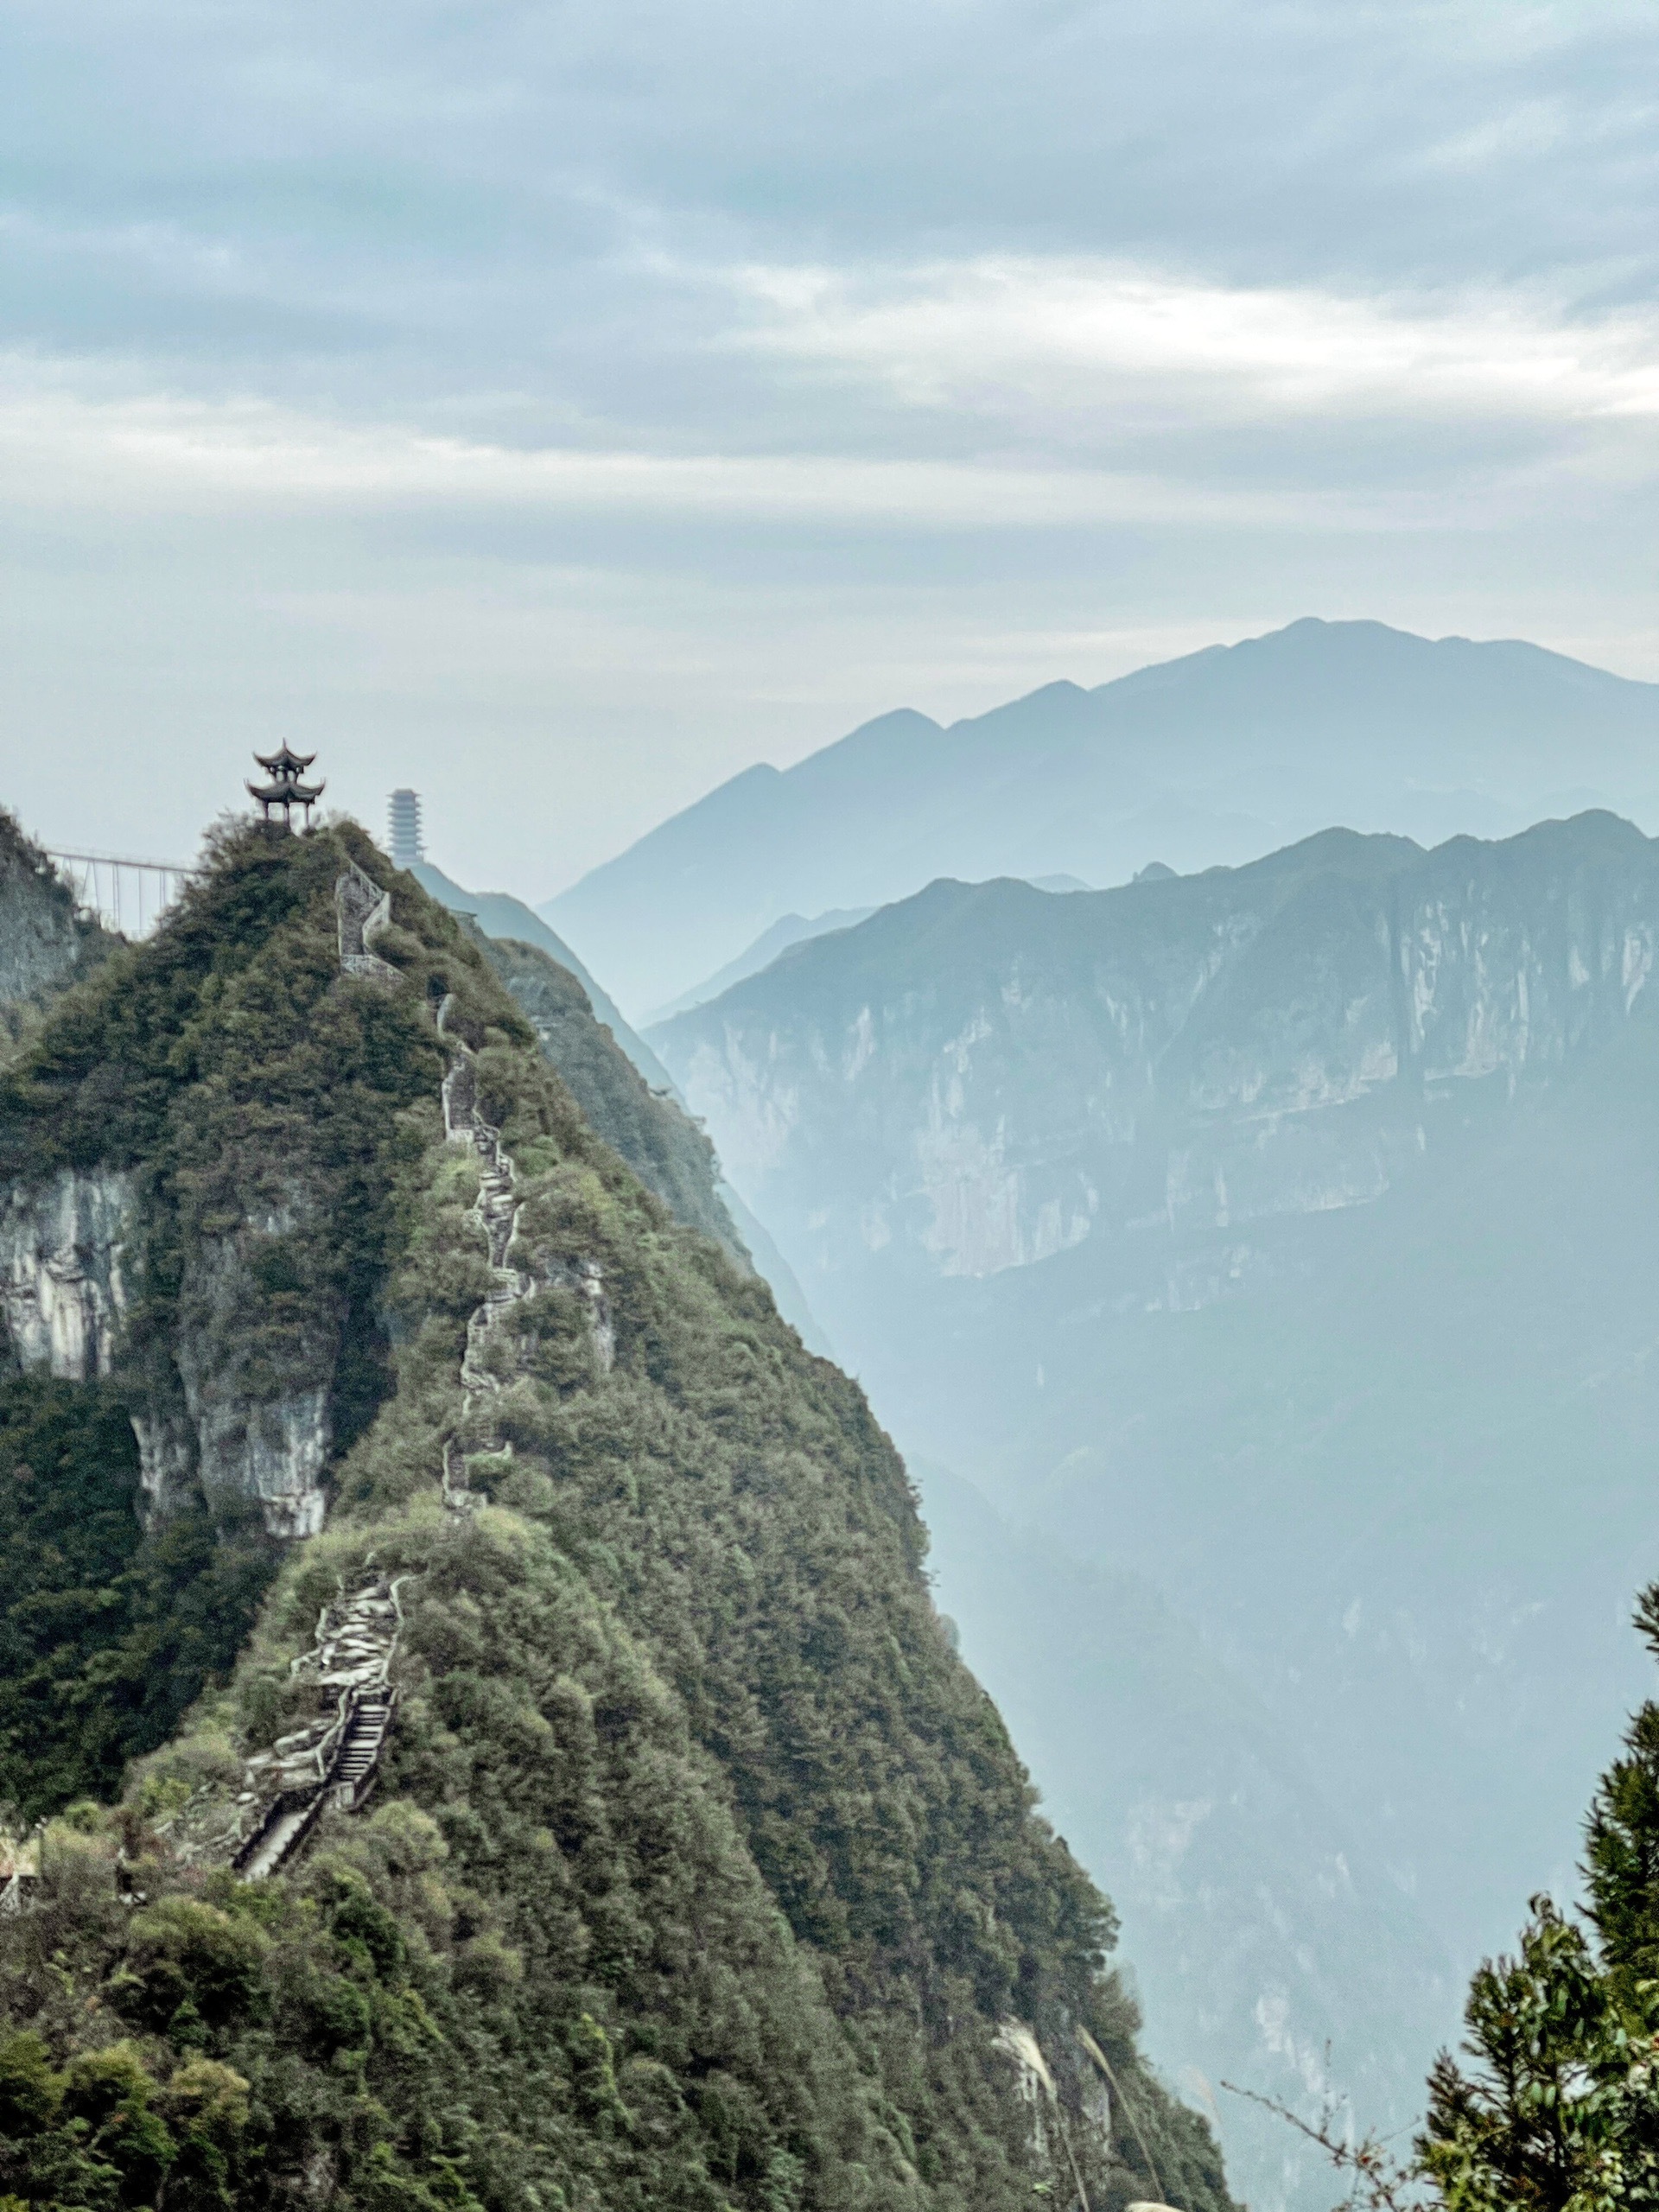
(598,1815)
(984,1077)
(1281,1237)
(62,1275)
(42,939)
(195,1152)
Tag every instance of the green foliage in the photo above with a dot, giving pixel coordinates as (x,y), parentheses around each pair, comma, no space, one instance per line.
(260,1105)
(701,1872)
(106,1635)
(44,942)
(96,2133)
(665,1148)
(1560,2106)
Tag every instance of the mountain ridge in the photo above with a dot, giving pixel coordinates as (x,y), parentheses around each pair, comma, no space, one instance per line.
(1214,757)
(506,922)
(697,1872)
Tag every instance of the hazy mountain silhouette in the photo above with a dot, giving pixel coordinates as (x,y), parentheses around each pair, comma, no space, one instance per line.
(1215,758)
(792,929)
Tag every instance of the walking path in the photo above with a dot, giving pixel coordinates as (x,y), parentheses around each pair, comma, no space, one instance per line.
(496,1211)
(335,1759)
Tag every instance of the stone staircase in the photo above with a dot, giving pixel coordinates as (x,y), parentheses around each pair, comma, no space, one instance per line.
(496,1211)
(353,1774)
(333,1759)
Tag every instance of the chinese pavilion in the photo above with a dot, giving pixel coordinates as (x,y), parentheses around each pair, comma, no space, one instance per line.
(284,788)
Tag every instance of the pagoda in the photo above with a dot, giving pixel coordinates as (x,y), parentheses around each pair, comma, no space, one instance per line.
(284,787)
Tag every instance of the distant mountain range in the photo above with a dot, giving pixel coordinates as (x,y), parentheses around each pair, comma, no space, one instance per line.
(1281,1237)
(796,929)
(1215,758)
(791,929)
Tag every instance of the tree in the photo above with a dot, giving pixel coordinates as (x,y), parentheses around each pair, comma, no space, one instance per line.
(1559,2107)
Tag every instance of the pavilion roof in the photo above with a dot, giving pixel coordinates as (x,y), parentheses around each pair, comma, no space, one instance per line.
(284,794)
(285,762)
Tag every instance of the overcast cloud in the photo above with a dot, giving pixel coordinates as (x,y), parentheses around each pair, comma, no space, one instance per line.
(559,408)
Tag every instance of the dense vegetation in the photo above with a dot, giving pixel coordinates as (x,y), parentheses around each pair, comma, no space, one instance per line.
(702,1872)
(660,1141)
(221,1063)
(44,941)
(1559,2104)
(107,1635)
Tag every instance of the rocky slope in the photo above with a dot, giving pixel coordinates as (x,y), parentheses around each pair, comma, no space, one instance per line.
(689,1867)
(1218,757)
(1281,1235)
(44,942)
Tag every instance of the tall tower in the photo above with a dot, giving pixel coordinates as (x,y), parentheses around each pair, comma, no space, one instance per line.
(405,822)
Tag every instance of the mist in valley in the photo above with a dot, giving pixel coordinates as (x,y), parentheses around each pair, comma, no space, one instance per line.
(1254,1264)
(1255,1268)
(1016,646)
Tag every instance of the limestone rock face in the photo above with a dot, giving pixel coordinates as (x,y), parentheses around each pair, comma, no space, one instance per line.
(41,937)
(62,1277)
(274,1450)
(987,1076)
(66,1286)
(257,1411)
(167,1459)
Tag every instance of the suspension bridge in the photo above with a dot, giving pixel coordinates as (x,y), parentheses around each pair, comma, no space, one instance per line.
(127,895)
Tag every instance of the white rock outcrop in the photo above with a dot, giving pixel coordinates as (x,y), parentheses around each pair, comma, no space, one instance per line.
(274,1452)
(167,1460)
(63,1276)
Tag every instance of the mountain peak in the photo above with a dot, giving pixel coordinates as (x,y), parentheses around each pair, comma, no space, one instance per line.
(1213,758)
(543,1497)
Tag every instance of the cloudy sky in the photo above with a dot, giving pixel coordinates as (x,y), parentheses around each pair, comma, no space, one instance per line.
(559,407)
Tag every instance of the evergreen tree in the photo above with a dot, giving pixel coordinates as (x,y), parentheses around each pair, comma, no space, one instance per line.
(1558,2106)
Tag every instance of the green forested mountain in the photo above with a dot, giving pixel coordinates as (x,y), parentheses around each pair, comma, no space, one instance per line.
(668,1151)
(500,916)
(644,1118)
(108,1631)
(697,1871)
